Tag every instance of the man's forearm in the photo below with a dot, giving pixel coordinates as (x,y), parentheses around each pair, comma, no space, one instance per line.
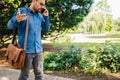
(46,26)
(12,23)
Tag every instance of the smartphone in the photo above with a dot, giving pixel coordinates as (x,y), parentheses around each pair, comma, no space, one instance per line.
(42,10)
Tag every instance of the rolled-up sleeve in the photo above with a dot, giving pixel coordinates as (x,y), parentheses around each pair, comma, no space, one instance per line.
(12,22)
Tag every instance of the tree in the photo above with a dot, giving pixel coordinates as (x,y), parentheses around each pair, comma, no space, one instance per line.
(117,24)
(103,6)
(99,19)
(64,14)
(7,8)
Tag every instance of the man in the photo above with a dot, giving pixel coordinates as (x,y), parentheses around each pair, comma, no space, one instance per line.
(37,21)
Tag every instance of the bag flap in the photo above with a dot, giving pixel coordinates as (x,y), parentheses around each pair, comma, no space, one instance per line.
(13,52)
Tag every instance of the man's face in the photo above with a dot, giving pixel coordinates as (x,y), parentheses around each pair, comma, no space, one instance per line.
(39,5)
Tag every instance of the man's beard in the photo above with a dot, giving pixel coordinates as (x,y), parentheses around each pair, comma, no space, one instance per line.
(36,10)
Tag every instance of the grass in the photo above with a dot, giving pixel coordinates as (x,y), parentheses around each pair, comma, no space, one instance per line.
(85,45)
(89,44)
(68,44)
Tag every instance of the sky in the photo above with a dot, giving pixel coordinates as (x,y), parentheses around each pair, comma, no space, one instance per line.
(115,6)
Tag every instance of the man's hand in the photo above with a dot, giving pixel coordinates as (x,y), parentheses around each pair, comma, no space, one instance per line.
(45,13)
(20,17)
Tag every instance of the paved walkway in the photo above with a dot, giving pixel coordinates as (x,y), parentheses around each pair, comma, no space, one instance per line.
(77,38)
(86,38)
(12,74)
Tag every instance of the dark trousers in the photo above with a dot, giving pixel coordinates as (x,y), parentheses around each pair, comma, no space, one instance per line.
(35,60)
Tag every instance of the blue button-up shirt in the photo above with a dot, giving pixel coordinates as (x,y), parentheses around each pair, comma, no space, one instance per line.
(36,23)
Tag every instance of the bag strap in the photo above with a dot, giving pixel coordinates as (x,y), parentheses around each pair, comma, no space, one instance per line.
(14,35)
(26,32)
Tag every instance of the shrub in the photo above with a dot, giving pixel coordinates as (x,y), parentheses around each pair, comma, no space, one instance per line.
(63,59)
(95,59)
(109,57)
(89,61)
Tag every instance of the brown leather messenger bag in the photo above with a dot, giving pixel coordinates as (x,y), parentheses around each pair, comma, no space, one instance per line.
(15,55)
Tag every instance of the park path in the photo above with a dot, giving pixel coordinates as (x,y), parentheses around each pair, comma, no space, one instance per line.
(12,74)
(88,38)
(83,38)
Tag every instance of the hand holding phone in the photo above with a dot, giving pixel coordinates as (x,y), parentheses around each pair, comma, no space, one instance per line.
(43,9)
(44,12)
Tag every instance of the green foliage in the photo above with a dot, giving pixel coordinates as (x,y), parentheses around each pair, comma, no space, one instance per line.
(7,7)
(109,24)
(63,60)
(117,24)
(97,22)
(90,61)
(62,13)
(109,57)
(64,16)
(103,5)
(71,57)
(101,58)
(49,61)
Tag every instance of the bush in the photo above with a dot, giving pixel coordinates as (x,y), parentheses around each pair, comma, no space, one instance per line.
(89,61)
(63,60)
(94,59)
(109,57)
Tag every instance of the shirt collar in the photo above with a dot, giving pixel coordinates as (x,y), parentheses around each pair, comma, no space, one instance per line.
(30,10)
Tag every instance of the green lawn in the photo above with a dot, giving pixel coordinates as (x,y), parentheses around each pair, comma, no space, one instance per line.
(85,45)
(110,35)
